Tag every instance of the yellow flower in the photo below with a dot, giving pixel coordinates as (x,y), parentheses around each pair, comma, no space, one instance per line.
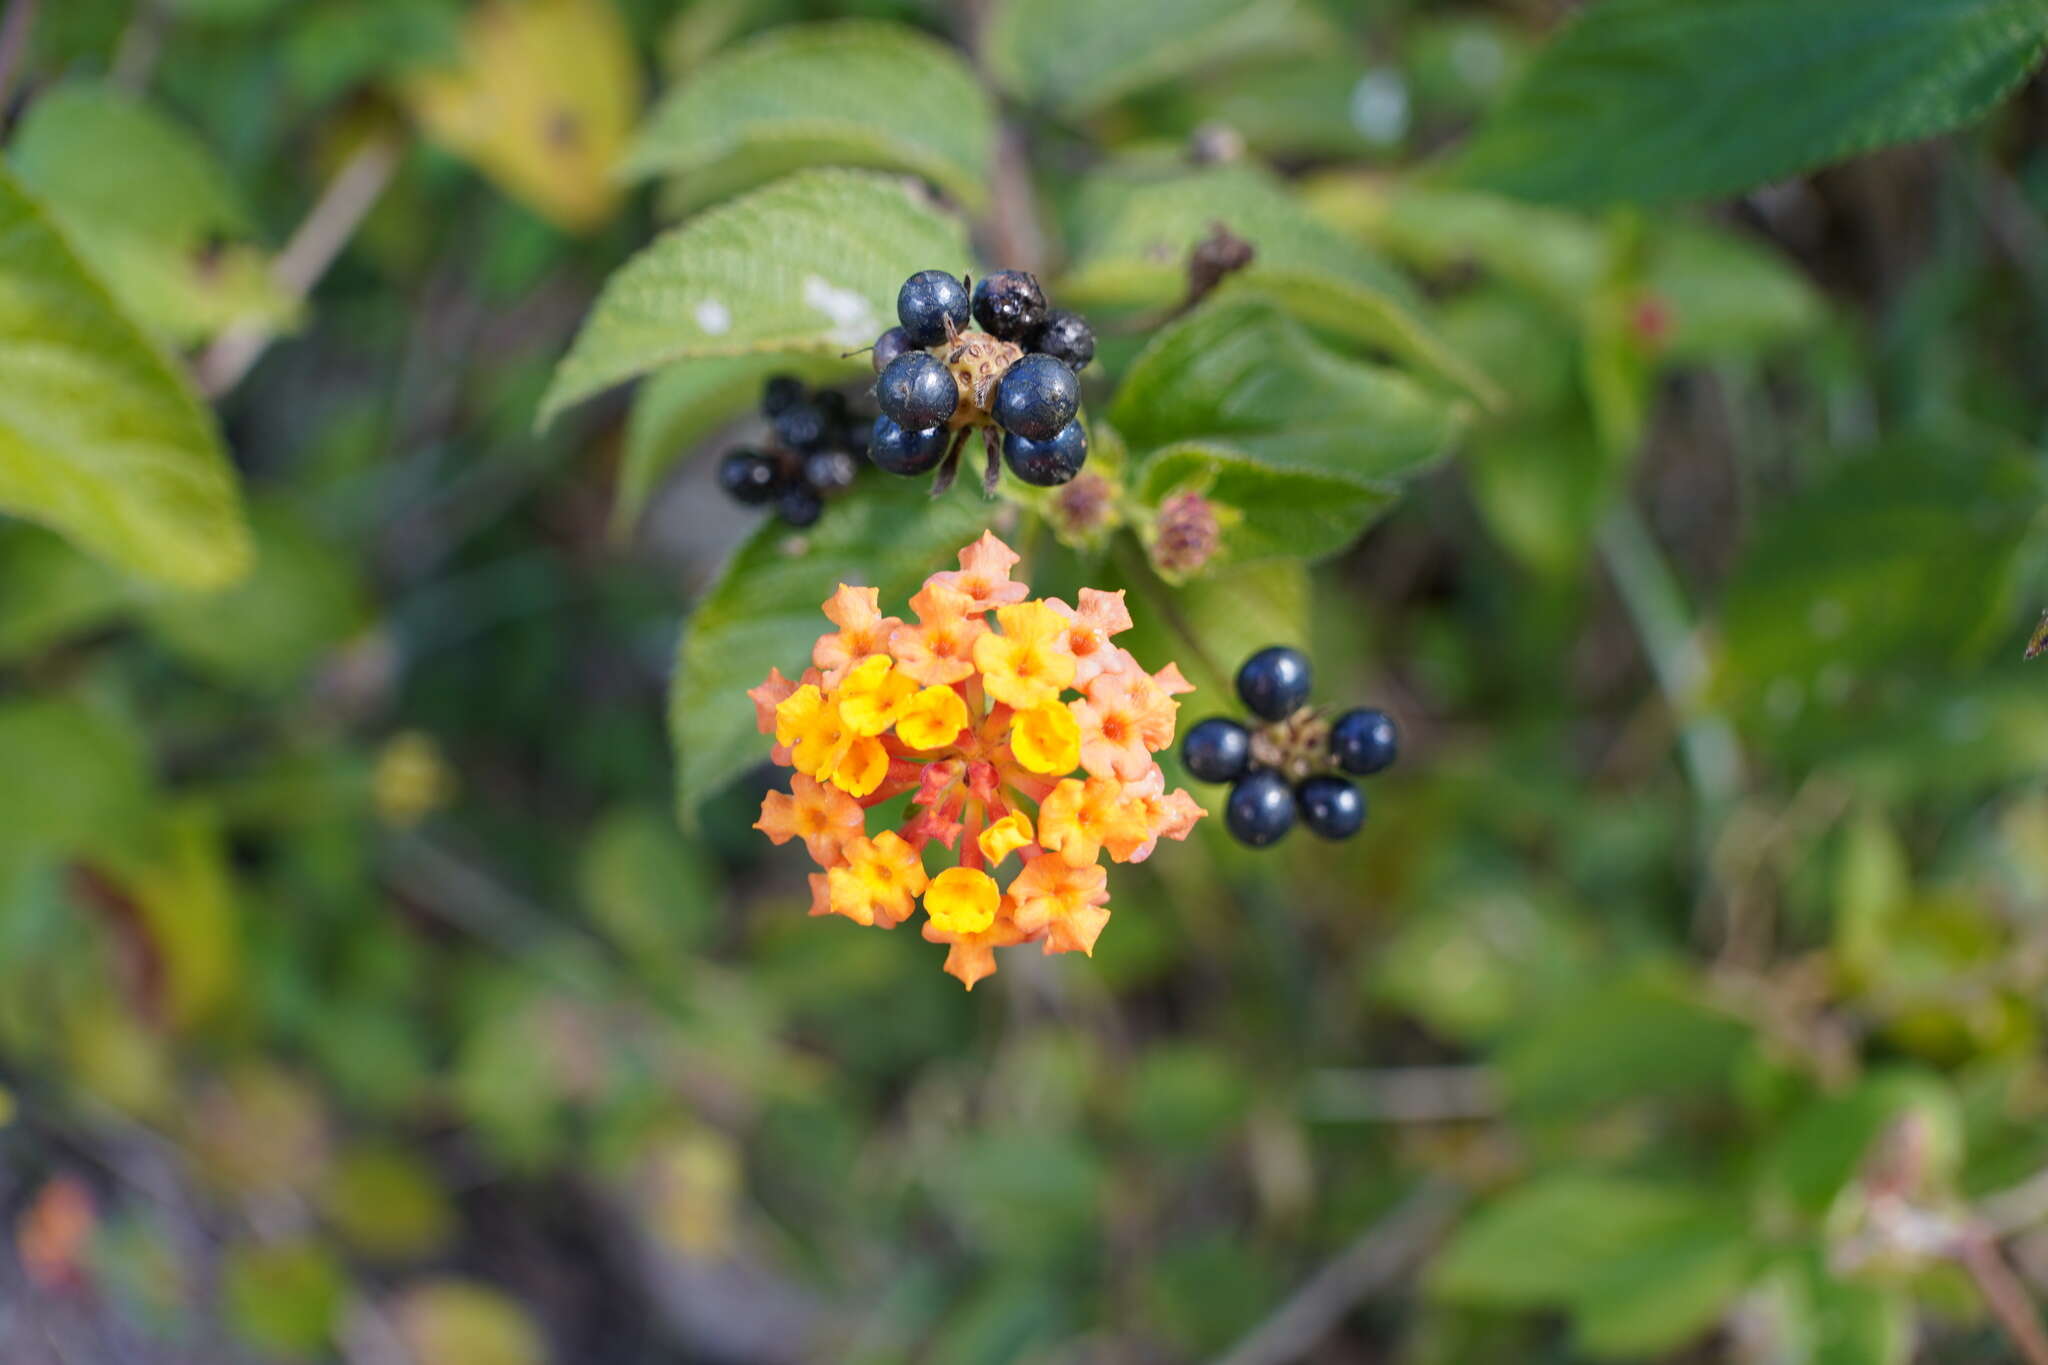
(1028,663)
(962,900)
(880,882)
(972,956)
(1006,836)
(861,766)
(872,694)
(934,718)
(811,727)
(1047,739)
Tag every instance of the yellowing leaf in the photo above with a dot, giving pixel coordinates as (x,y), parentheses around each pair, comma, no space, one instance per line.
(540,100)
(455,1322)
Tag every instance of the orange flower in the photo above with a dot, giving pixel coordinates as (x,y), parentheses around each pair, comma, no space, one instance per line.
(1077,819)
(880,881)
(972,956)
(823,817)
(863,630)
(939,649)
(984,574)
(1028,664)
(1162,816)
(1101,615)
(1126,717)
(1064,902)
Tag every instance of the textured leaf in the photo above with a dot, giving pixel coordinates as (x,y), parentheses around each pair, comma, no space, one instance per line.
(541,98)
(1238,371)
(1651,100)
(1078,55)
(678,407)
(810,263)
(848,94)
(1133,234)
(100,438)
(1264,511)
(764,613)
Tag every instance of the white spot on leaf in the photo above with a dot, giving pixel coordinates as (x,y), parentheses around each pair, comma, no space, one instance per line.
(852,316)
(714,318)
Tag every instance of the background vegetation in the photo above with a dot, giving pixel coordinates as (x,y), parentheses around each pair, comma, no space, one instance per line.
(1656,394)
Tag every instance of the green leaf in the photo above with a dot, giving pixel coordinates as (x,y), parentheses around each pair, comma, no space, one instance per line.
(1653,100)
(150,209)
(1078,55)
(853,93)
(1263,511)
(1672,1287)
(1642,1038)
(1727,294)
(651,890)
(1237,371)
(284,1299)
(100,437)
(1822,1146)
(764,613)
(95,778)
(1133,233)
(49,591)
(809,264)
(684,403)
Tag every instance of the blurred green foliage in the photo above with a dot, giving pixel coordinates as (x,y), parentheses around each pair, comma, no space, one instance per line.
(388,971)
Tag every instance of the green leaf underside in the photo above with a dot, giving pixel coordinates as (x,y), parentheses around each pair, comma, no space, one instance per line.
(765,612)
(1079,55)
(678,407)
(851,93)
(1133,234)
(808,264)
(1655,100)
(100,437)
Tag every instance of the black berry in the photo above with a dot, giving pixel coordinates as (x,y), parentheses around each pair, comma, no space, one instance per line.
(1009,304)
(888,346)
(780,392)
(1036,397)
(917,391)
(828,471)
(1260,809)
(1330,806)
(749,477)
(799,506)
(1217,750)
(1067,338)
(1047,464)
(800,427)
(897,450)
(927,302)
(1274,682)
(1363,742)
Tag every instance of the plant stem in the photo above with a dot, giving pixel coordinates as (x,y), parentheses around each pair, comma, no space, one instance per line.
(2003,1294)
(1140,576)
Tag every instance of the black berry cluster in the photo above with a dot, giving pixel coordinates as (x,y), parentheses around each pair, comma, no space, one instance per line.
(817,446)
(1280,770)
(938,380)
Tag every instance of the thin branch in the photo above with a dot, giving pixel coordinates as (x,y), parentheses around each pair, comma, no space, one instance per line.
(1404,1094)
(14,30)
(2003,1294)
(1378,1258)
(344,204)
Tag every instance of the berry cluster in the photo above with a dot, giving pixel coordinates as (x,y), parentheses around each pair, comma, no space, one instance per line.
(818,448)
(938,380)
(1281,769)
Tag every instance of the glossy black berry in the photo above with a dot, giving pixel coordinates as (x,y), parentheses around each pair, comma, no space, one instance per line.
(1330,806)
(888,346)
(1363,741)
(780,392)
(799,506)
(1260,809)
(1047,464)
(1009,304)
(926,303)
(896,450)
(748,476)
(1216,750)
(1274,682)
(1036,397)
(828,471)
(917,391)
(800,427)
(1067,338)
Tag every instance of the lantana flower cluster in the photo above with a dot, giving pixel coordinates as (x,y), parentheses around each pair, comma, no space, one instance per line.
(966,708)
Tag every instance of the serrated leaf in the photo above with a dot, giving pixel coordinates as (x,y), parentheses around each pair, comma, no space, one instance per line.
(1655,100)
(853,93)
(100,438)
(1264,511)
(808,264)
(1133,234)
(684,403)
(764,612)
(1237,371)
(541,98)
(1078,55)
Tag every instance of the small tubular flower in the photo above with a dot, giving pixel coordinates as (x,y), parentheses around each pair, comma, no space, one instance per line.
(972,719)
